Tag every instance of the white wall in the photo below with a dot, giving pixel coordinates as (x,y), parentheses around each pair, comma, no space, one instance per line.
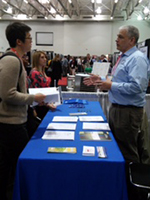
(78,38)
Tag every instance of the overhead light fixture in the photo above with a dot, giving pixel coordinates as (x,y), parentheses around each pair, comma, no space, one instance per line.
(98,1)
(146,10)
(26,1)
(111,17)
(92,1)
(140,1)
(52,10)
(116,1)
(139,18)
(58,17)
(98,10)
(9,10)
(4,1)
(69,1)
(43,1)
(21,16)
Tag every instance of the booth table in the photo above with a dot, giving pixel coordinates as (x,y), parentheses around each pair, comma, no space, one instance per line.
(54,176)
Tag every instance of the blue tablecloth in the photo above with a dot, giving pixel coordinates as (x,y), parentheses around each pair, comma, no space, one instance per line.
(44,176)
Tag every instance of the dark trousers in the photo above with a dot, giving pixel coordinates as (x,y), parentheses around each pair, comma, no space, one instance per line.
(54,82)
(13,139)
(126,124)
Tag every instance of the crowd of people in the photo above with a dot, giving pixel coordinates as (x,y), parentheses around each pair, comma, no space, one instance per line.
(76,64)
(127,91)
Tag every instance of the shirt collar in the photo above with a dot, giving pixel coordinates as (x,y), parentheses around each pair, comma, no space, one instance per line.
(130,51)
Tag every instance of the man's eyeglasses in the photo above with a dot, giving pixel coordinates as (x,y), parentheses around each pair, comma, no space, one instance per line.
(29,38)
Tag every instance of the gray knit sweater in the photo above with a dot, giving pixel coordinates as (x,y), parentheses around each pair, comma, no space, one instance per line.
(13,107)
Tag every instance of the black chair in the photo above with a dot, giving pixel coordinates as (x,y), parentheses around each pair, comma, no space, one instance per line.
(140,176)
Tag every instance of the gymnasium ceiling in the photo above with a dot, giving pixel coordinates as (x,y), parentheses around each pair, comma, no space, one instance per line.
(74,10)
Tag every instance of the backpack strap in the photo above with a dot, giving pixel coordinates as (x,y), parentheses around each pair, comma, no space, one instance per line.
(10,53)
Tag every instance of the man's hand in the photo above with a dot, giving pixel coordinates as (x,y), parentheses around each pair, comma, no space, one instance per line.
(91,80)
(104,84)
(39,98)
(52,107)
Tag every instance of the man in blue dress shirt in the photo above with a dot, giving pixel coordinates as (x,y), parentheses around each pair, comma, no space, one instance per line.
(127,91)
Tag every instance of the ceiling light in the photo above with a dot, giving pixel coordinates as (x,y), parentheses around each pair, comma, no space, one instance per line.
(92,1)
(52,10)
(98,1)
(4,1)
(98,10)
(9,10)
(139,17)
(116,1)
(58,17)
(140,1)
(69,1)
(111,17)
(21,16)
(146,10)
(26,1)
(43,1)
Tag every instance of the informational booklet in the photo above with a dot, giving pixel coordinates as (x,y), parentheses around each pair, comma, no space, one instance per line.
(62,150)
(58,135)
(91,118)
(100,69)
(94,136)
(95,126)
(88,151)
(62,126)
(52,95)
(65,119)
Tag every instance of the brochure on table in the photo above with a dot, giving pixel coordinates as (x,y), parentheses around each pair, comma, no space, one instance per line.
(95,126)
(58,135)
(62,150)
(65,119)
(94,136)
(53,94)
(62,126)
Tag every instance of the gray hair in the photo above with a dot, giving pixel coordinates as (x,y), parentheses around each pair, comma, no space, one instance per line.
(132,31)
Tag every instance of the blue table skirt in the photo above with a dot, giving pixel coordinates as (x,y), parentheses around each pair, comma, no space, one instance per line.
(44,176)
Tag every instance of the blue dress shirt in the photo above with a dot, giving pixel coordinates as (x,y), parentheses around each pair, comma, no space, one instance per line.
(130,80)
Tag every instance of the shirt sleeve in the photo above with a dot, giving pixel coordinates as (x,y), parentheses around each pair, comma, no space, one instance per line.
(133,79)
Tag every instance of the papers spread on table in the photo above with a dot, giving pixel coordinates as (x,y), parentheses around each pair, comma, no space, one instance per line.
(100,69)
(58,135)
(62,150)
(94,135)
(96,126)
(52,95)
(91,118)
(88,151)
(62,126)
(64,119)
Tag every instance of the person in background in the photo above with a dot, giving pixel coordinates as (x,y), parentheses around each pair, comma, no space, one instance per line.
(56,73)
(127,91)
(39,79)
(65,65)
(87,62)
(14,101)
(73,66)
(103,58)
